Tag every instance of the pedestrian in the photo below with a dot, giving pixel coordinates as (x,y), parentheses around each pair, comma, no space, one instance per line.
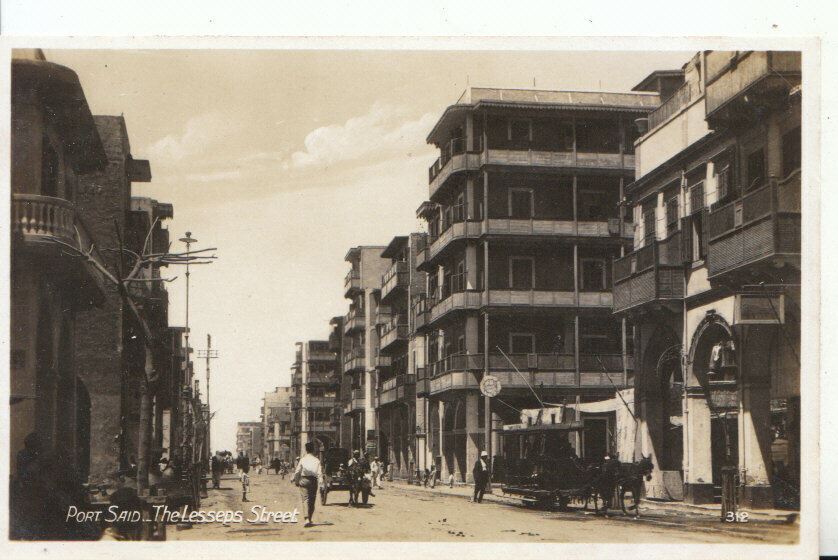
(257,463)
(481,476)
(433,475)
(217,467)
(425,477)
(245,478)
(451,480)
(242,463)
(375,471)
(308,475)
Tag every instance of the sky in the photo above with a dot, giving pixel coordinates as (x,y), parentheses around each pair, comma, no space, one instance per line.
(285,159)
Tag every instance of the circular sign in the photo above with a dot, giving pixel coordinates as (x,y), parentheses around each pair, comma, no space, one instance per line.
(490,386)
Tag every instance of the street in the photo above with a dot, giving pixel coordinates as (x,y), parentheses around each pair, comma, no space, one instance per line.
(410,513)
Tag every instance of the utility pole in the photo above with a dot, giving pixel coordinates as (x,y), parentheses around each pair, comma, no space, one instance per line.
(208,354)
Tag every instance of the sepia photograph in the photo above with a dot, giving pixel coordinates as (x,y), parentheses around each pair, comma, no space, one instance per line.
(425,295)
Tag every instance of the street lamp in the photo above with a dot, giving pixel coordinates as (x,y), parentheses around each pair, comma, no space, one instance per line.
(189,241)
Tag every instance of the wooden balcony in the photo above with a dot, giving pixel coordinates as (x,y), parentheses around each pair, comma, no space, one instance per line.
(460,231)
(423,384)
(354,320)
(354,360)
(321,356)
(321,378)
(737,79)
(397,389)
(549,228)
(395,280)
(537,158)
(653,273)
(381,361)
(394,335)
(421,312)
(680,98)
(320,402)
(352,283)
(533,370)
(454,159)
(763,227)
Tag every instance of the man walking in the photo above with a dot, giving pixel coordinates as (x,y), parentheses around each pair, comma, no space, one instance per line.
(375,470)
(308,476)
(481,476)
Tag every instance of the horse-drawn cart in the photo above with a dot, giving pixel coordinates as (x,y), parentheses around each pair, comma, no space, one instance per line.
(541,467)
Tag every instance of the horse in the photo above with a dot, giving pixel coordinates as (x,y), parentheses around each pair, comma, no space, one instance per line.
(630,479)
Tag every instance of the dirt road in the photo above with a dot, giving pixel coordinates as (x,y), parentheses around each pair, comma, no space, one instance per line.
(408,513)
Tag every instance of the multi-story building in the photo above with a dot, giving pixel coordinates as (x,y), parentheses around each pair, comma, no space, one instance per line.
(523,223)
(342,423)
(398,356)
(249,439)
(276,424)
(713,283)
(54,141)
(316,384)
(362,287)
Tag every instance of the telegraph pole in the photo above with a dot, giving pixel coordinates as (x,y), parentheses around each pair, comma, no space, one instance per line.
(208,354)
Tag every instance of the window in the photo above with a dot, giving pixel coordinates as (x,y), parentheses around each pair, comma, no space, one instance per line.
(521,273)
(756,169)
(649,226)
(459,209)
(791,151)
(698,245)
(520,131)
(671,215)
(593,275)
(592,205)
(521,205)
(521,343)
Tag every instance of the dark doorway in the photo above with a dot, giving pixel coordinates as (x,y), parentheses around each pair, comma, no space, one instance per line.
(596,438)
(724,441)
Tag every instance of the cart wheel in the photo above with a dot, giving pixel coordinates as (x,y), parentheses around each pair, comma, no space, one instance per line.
(563,501)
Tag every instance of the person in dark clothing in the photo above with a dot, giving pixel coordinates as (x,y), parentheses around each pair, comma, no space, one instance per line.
(217,468)
(243,462)
(481,473)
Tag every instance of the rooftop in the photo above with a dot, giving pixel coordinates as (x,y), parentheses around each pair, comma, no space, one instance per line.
(476,97)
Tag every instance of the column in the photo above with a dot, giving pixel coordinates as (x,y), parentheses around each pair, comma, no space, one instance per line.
(472,433)
(443,468)
(755,415)
(471,266)
(369,366)
(698,458)
(469,131)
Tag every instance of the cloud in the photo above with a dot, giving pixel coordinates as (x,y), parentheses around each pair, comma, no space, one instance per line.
(214,176)
(380,133)
(198,133)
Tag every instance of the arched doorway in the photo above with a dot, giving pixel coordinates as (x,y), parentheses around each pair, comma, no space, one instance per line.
(712,385)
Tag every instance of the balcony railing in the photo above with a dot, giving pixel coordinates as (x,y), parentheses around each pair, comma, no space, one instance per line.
(353,320)
(395,331)
(672,105)
(763,224)
(420,312)
(397,388)
(358,399)
(382,361)
(551,370)
(732,74)
(396,277)
(354,359)
(38,220)
(352,282)
(652,273)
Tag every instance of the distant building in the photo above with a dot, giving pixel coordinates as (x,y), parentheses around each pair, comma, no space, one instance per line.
(249,439)
(362,287)
(276,424)
(315,384)
(400,359)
